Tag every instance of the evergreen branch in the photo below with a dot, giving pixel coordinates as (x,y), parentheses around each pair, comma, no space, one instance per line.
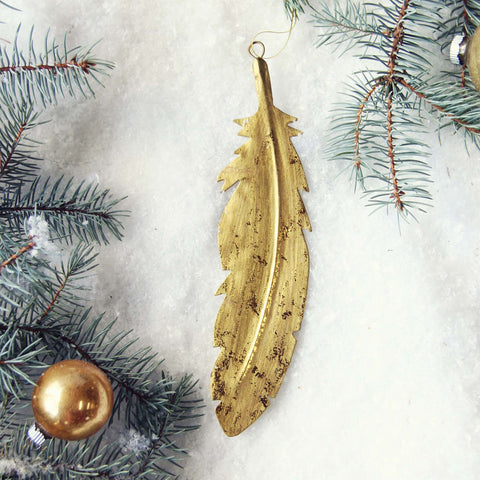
(54,299)
(59,460)
(16,357)
(398,37)
(20,272)
(294,7)
(42,318)
(452,93)
(382,106)
(131,372)
(86,66)
(13,258)
(8,415)
(170,424)
(80,263)
(43,77)
(358,119)
(397,193)
(5,163)
(84,212)
(342,27)
(463,18)
(163,407)
(17,161)
(37,293)
(44,332)
(402,153)
(441,109)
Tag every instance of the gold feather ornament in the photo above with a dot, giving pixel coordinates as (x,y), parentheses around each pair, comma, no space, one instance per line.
(261,243)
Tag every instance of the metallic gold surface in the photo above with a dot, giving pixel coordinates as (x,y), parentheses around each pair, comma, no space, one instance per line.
(473,58)
(72,400)
(261,242)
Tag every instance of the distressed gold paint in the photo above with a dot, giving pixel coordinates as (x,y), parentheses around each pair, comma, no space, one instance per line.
(261,242)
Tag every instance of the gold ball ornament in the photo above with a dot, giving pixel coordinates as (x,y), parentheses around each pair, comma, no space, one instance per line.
(72,400)
(466,51)
(472,58)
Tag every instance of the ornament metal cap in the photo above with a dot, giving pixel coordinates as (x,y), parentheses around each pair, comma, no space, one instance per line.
(457,49)
(36,435)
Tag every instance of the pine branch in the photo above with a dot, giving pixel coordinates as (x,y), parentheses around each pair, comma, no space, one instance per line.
(42,314)
(345,26)
(18,163)
(133,373)
(294,7)
(377,129)
(449,99)
(83,212)
(20,270)
(58,294)
(57,71)
(59,460)
(17,359)
(162,408)
(38,294)
(170,425)
(13,258)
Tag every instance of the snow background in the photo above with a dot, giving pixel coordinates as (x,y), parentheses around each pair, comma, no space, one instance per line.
(385,380)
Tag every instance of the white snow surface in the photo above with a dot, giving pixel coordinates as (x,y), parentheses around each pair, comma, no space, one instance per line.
(385,379)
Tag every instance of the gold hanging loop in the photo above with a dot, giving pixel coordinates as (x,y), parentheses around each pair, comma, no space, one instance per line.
(254,54)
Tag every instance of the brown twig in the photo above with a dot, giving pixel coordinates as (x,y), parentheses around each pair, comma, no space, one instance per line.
(397,35)
(397,42)
(397,193)
(54,300)
(420,95)
(3,165)
(61,209)
(465,16)
(357,163)
(85,65)
(15,364)
(15,256)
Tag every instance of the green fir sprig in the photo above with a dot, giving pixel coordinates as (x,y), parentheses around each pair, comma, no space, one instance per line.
(80,211)
(58,71)
(294,7)
(146,399)
(377,130)
(48,229)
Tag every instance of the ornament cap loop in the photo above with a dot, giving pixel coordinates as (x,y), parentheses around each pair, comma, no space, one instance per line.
(253,53)
(457,49)
(36,435)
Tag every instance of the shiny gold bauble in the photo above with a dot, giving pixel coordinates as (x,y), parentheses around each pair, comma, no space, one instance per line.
(72,400)
(473,58)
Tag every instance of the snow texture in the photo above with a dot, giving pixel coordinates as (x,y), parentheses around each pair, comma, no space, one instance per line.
(22,470)
(131,441)
(385,379)
(39,233)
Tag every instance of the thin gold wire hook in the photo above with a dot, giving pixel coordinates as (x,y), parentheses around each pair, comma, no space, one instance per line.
(253,53)
(251,48)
